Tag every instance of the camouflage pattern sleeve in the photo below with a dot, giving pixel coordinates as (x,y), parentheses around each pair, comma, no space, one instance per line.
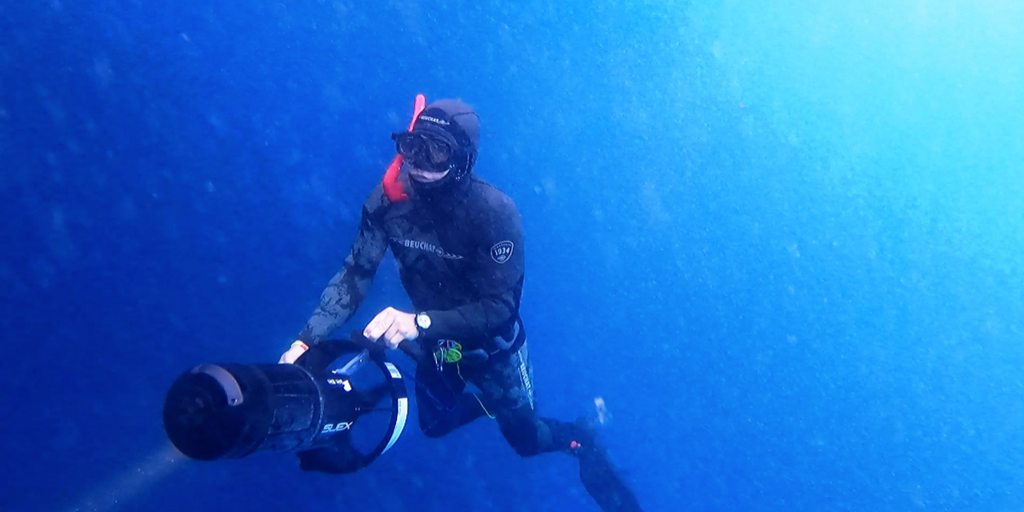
(349,286)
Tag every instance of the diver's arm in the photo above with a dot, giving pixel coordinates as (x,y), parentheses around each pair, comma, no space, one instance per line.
(349,286)
(497,277)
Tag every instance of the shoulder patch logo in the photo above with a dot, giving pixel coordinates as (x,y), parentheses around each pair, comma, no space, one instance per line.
(502,251)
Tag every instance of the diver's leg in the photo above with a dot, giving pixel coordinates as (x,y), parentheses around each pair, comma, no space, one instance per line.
(507,388)
(441,402)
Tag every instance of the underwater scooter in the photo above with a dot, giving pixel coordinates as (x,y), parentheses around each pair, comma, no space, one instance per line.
(340,406)
(217,411)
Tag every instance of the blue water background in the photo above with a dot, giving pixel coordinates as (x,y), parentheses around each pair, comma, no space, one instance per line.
(780,239)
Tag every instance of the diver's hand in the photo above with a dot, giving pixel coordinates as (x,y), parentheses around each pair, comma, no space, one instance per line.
(392,327)
(297,349)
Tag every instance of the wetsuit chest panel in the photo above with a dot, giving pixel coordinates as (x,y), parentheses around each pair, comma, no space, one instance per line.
(434,256)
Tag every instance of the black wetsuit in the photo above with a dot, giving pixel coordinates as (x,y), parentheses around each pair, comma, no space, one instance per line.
(460,261)
(460,258)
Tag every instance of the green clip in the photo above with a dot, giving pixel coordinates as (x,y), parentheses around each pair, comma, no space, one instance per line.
(448,351)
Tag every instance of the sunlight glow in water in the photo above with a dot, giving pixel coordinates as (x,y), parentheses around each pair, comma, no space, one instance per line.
(134,481)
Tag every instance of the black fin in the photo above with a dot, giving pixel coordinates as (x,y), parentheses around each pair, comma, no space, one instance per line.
(598,474)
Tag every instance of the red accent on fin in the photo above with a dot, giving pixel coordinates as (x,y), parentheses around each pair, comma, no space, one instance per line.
(393,187)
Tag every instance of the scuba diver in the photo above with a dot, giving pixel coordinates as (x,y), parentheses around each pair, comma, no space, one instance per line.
(458,242)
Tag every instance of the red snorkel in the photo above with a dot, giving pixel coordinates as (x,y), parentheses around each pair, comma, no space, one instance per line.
(393,187)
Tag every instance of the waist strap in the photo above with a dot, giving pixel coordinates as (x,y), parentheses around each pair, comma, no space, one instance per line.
(508,343)
(496,346)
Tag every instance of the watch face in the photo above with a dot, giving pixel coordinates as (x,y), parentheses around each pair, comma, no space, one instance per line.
(423,321)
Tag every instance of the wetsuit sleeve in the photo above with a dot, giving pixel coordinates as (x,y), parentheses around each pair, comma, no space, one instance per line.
(496,275)
(349,286)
